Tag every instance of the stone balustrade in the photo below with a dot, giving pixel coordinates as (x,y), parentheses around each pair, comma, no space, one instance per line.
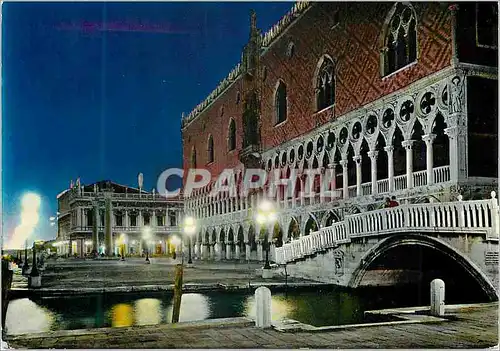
(478,216)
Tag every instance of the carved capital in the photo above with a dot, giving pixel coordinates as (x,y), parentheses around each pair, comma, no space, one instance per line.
(408,144)
(373,154)
(455,132)
(429,138)
(389,149)
(332,165)
(357,159)
(343,163)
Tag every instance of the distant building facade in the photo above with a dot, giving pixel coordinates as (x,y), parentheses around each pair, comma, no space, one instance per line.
(397,99)
(111,218)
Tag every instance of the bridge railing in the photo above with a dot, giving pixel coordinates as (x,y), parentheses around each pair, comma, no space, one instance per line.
(478,216)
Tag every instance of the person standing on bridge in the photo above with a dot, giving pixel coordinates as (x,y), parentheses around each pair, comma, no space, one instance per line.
(393,202)
(387,203)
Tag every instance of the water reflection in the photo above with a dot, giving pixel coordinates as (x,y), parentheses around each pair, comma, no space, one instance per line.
(147,311)
(194,307)
(281,307)
(122,315)
(319,308)
(25,316)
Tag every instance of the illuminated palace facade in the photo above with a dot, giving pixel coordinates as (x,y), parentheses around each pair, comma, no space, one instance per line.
(397,99)
(111,218)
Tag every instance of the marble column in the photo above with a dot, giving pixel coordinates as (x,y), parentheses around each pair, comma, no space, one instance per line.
(95,227)
(333,180)
(125,219)
(345,180)
(228,251)
(357,161)
(429,156)
(272,252)
(211,253)
(139,219)
(390,166)
(108,226)
(237,251)
(78,218)
(373,159)
(408,145)
(248,251)
(260,256)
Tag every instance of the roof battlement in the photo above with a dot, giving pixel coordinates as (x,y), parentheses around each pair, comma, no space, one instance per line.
(267,39)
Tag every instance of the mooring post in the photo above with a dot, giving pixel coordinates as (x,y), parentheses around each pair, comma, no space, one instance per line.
(177,292)
(263,307)
(437,298)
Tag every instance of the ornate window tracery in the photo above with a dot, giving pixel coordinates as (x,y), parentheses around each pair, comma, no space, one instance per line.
(210,149)
(325,86)
(281,102)
(231,141)
(400,45)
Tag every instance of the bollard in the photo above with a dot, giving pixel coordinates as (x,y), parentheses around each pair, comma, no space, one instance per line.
(263,307)
(437,298)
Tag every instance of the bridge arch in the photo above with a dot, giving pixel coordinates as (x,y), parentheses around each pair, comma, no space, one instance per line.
(293,231)
(329,218)
(310,225)
(400,240)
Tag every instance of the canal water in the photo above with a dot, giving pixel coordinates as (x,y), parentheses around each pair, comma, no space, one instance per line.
(321,307)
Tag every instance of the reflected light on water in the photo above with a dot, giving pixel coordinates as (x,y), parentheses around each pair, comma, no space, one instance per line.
(122,315)
(25,316)
(280,307)
(147,311)
(194,307)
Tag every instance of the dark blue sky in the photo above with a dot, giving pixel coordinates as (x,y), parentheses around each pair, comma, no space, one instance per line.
(96,90)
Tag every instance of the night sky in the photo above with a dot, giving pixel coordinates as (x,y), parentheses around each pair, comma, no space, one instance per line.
(96,90)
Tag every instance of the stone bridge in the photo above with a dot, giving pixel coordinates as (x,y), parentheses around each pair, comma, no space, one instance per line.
(464,233)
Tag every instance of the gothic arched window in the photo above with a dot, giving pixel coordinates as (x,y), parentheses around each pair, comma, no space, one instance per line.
(231,139)
(400,42)
(210,149)
(281,102)
(325,86)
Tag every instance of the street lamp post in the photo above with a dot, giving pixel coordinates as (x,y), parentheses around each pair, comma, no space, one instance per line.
(266,215)
(189,229)
(26,266)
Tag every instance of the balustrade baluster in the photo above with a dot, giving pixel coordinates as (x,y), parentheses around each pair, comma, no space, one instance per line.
(480,210)
(474,216)
(487,214)
(448,217)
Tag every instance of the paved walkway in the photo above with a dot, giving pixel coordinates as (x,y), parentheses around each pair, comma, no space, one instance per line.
(74,276)
(466,328)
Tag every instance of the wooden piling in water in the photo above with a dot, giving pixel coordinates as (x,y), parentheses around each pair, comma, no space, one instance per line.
(179,271)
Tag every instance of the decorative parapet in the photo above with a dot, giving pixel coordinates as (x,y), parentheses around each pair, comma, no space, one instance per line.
(298,8)
(267,38)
